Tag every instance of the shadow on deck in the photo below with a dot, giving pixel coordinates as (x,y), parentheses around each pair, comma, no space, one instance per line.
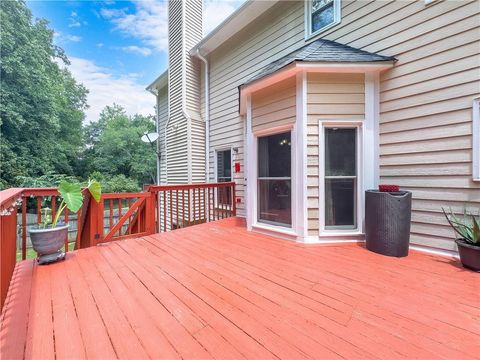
(217,291)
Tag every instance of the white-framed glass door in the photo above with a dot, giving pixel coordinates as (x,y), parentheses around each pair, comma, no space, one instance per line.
(340,178)
(274,179)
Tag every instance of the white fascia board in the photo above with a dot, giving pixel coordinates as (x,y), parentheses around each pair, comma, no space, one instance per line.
(159,83)
(238,20)
(298,66)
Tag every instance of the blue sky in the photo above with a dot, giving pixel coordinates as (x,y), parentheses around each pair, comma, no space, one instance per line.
(118,47)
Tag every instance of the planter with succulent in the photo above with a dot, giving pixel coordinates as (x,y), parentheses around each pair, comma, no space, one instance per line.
(49,237)
(468,227)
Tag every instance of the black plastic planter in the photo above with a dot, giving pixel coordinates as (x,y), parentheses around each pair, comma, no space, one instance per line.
(387,222)
(469,255)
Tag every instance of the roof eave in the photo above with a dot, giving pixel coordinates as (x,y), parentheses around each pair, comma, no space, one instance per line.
(159,83)
(237,21)
(296,66)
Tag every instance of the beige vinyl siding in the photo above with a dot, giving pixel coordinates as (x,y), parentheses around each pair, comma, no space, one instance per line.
(273,35)
(274,106)
(425,99)
(425,102)
(329,97)
(162,123)
(185,135)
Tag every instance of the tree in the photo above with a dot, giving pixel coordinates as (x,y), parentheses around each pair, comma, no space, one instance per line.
(41,105)
(113,146)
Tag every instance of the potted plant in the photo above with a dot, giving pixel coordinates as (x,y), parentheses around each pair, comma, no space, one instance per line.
(387,220)
(49,236)
(468,244)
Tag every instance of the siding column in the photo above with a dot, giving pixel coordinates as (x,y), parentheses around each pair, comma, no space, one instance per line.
(250,203)
(300,169)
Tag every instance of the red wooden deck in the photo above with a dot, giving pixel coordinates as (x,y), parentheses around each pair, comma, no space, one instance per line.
(217,291)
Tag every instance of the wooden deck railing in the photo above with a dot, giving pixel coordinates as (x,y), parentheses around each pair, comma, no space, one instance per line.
(115,217)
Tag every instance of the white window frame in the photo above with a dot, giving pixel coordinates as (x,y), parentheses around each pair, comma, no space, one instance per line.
(358,124)
(476,139)
(287,230)
(216,151)
(337,18)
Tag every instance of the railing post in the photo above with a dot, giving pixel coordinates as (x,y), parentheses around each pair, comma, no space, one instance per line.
(150,213)
(234,201)
(8,251)
(95,220)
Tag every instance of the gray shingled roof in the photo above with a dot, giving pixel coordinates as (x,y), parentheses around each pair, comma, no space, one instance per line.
(321,50)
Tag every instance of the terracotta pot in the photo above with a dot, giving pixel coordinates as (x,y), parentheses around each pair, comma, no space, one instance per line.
(469,255)
(48,242)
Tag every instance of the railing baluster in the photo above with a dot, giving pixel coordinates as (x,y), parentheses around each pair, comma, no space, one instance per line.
(234,201)
(165,211)
(110,222)
(119,215)
(183,208)
(176,195)
(24,228)
(79,229)
(54,206)
(170,193)
(208,204)
(129,228)
(39,209)
(188,205)
(66,222)
(204,205)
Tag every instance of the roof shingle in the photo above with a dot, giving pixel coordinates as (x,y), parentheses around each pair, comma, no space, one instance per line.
(321,50)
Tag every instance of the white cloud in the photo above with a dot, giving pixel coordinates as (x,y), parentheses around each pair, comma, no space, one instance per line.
(144,51)
(106,89)
(64,38)
(74,23)
(99,45)
(149,21)
(215,11)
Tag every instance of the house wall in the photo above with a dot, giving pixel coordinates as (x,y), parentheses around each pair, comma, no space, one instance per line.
(329,97)
(273,35)
(425,100)
(274,106)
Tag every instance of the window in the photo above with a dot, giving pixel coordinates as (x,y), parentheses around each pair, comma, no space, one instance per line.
(274,179)
(321,15)
(224,174)
(476,139)
(341,177)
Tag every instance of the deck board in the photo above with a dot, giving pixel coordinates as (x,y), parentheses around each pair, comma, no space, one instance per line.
(217,291)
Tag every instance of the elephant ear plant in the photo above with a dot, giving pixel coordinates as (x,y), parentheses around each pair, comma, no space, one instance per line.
(72,197)
(49,238)
(468,228)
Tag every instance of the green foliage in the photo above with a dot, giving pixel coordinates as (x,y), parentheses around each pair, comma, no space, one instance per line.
(120,183)
(468,227)
(47,180)
(41,105)
(72,197)
(113,146)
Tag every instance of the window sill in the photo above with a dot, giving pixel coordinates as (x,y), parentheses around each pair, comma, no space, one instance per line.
(314,35)
(273,228)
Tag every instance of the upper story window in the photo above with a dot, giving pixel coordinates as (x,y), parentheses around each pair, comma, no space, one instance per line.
(321,15)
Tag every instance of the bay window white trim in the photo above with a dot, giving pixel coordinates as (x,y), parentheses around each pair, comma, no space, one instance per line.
(337,9)
(476,139)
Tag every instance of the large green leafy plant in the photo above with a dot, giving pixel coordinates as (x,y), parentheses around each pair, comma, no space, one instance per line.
(72,196)
(467,226)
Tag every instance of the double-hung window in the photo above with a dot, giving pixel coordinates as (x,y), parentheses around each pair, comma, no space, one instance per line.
(321,15)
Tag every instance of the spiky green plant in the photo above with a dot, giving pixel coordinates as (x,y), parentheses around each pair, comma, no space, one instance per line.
(467,227)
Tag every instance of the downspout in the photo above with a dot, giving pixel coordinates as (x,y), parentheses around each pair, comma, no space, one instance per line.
(157,129)
(207,116)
